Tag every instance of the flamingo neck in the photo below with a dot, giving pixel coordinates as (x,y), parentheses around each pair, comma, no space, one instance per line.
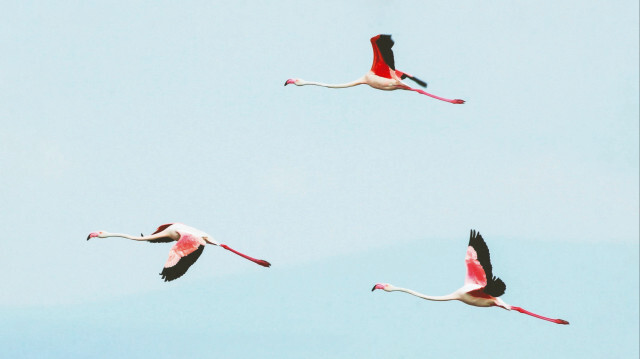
(357,82)
(123,235)
(135,238)
(523,311)
(257,261)
(441,298)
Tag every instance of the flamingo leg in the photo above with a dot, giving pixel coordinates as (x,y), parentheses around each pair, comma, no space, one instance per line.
(257,261)
(523,311)
(456,101)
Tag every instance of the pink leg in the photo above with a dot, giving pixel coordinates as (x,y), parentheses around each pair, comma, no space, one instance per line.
(558,321)
(434,96)
(258,261)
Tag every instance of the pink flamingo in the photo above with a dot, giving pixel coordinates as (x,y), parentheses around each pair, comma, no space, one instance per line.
(481,288)
(189,246)
(383,74)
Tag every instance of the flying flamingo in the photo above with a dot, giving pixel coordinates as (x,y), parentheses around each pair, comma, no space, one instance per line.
(481,288)
(189,246)
(383,74)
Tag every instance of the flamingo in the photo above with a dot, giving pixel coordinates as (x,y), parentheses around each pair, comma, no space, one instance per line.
(481,288)
(189,246)
(383,74)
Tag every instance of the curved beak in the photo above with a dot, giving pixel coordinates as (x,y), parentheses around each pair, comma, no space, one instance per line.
(286,82)
(92,234)
(374,287)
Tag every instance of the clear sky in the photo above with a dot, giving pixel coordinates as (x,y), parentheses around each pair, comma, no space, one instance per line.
(122,116)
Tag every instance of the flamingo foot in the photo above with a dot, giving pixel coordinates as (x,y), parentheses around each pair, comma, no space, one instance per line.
(459,102)
(264,263)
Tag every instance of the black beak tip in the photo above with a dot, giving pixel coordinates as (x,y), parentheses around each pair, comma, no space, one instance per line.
(374,288)
(89,236)
(286,82)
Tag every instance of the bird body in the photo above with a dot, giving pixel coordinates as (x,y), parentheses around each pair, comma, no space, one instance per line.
(383,74)
(190,243)
(382,83)
(481,288)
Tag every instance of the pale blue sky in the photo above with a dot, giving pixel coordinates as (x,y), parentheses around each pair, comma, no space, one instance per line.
(121,117)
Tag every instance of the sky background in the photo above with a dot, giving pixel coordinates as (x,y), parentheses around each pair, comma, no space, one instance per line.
(122,116)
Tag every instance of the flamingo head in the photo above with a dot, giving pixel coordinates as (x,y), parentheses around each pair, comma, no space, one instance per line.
(94,234)
(292,81)
(384,286)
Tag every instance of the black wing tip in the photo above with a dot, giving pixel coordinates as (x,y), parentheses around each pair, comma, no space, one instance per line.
(385,40)
(477,242)
(475,235)
(418,81)
(495,287)
(169,275)
(167,278)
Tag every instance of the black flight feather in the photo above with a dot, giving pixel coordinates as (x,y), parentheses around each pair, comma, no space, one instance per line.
(417,80)
(161,240)
(385,44)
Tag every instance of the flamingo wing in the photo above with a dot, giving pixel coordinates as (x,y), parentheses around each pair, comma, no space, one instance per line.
(163,239)
(479,270)
(162,228)
(182,256)
(383,62)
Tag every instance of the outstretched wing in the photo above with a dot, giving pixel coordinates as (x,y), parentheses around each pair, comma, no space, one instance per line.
(479,270)
(182,256)
(383,62)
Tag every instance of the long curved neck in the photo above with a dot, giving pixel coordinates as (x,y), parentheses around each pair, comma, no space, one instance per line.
(357,82)
(135,238)
(442,298)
